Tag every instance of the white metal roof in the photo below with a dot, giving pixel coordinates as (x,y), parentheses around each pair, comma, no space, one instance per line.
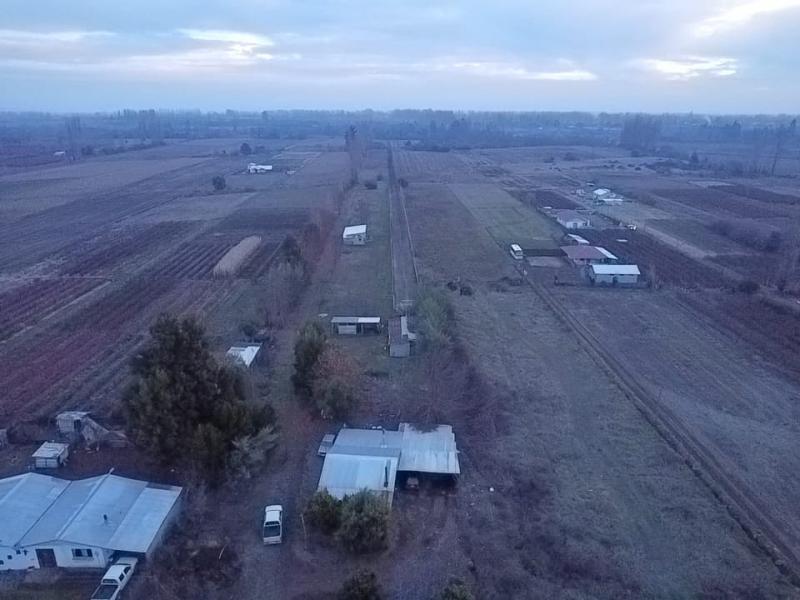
(51,450)
(108,511)
(355,320)
(244,354)
(578,239)
(23,500)
(606,253)
(354,230)
(429,451)
(601,192)
(347,474)
(616,269)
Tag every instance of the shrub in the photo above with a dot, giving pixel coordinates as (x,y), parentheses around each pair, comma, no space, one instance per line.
(403,182)
(434,317)
(333,385)
(361,586)
(323,512)
(308,347)
(370,184)
(245,149)
(365,523)
(218,182)
(456,590)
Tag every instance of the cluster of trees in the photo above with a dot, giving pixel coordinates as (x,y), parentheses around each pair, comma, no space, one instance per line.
(185,409)
(360,522)
(323,374)
(640,132)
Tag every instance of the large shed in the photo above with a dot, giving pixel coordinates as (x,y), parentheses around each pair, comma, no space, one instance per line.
(570,219)
(372,458)
(588,255)
(614,274)
(356,325)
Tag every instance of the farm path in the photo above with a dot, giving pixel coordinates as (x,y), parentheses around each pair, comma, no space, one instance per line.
(404,271)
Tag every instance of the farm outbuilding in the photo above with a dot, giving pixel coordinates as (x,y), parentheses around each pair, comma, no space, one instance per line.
(77,426)
(588,255)
(356,325)
(401,338)
(373,458)
(355,235)
(253,168)
(571,219)
(51,455)
(244,355)
(49,522)
(614,274)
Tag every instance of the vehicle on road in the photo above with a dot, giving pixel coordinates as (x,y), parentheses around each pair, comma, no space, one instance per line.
(273,524)
(516,252)
(115,579)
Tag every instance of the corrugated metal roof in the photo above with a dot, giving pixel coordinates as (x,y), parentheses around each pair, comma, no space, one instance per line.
(354,230)
(345,474)
(23,500)
(607,254)
(105,512)
(50,450)
(616,269)
(244,354)
(429,451)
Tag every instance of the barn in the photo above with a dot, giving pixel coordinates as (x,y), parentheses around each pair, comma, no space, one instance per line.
(588,255)
(570,219)
(49,522)
(614,274)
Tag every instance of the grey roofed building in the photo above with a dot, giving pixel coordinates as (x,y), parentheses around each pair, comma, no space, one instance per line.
(371,458)
(52,522)
(23,500)
(109,512)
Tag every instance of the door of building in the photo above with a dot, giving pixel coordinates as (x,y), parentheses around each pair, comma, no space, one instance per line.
(46,557)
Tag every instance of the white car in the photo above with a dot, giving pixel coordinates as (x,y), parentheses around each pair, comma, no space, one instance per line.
(273,524)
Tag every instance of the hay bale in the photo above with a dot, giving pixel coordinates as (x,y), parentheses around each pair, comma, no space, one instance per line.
(234,258)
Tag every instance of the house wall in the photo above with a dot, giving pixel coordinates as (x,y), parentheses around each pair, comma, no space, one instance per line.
(355,240)
(621,279)
(99,560)
(26,559)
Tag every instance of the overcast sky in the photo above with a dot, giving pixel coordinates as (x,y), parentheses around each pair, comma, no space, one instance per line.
(615,55)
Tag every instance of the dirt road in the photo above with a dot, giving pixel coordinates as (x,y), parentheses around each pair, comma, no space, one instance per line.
(404,271)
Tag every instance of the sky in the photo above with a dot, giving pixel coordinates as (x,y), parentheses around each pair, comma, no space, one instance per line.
(706,56)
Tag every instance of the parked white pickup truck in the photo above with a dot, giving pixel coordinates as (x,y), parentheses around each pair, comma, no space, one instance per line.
(115,579)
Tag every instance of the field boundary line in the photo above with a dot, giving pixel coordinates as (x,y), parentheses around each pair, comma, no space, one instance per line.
(743,508)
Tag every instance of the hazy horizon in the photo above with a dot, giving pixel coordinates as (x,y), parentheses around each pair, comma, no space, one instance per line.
(720,57)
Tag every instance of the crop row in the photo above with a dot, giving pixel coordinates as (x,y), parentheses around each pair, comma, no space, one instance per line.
(715,201)
(28,304)
(193,260)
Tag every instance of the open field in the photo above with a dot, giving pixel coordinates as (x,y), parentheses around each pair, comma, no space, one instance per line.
(131,236)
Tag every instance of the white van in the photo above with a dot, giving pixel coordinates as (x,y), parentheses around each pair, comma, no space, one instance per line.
(273,524)
(516,252)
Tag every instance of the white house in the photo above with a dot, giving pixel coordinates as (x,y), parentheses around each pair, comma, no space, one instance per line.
(614,274)
(50,522)
(253,168)
(355,235)
(51,455)
(570,219)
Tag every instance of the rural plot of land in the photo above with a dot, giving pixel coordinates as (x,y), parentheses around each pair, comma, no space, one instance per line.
(742,410)
(506,219)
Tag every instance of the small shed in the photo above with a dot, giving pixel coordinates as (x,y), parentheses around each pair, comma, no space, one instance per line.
(400,337)
(244,355)
(356,325)
(253,168)
(614,274)
(574,238)
(70,423)
(355,235)
(51,455)
(571,219)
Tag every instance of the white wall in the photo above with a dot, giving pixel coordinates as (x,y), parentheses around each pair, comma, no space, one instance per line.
(17,561)
(99,560)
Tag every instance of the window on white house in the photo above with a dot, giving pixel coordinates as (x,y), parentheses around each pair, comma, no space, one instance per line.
(81,553)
